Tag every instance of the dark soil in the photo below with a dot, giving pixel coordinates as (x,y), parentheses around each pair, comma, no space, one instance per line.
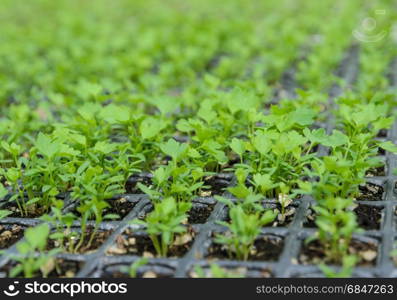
(141,245)
(239,271)
(214,61)
(232,272)
(199,213)
(368,217)
(9,235)
(131,184)
(281,220)
(66,268)
(266,248)
(379,171)
(120,206)
(232,160)
(99,239)
(216,184)
(314,149)
(32,211)
(314,253)
(381,151)
(382,133)
(310,219)
(146,271)
(58,268)
(370,192)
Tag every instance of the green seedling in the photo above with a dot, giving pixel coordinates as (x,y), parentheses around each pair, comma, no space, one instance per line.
(164,222)
(243,229)
(3,191)
(348,264)
(13,176)
(4,213)
(217,272)
(62,224)
(93,187)
(82,128)
(32,257)
(180,178)
(134,267)
(336,226)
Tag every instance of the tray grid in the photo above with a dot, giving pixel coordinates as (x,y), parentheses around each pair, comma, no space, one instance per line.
(96,263)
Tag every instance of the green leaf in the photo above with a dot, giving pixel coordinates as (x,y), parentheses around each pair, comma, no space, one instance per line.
(336,139)
(4,213)
(86,89)
(66,150)
(268,217)
(111,217)
(3,191)
(88,111)
(238,146)
(151,193)
(206,112)
(33,201)
(16,271)
(165,104)
(303,116)
(305,186)
(133,269)
(388,146)
(46,146)
(104,147)
(184,126)
(262,143)
(150,127)
(12,148)
(114,114)
(215,149)
(37,236)
(174,149)
(160,175)
(264,181)
(240,191)
(383,123)
(193,153)
(317,136)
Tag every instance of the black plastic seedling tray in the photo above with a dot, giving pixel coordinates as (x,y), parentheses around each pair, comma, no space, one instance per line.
(284,249)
